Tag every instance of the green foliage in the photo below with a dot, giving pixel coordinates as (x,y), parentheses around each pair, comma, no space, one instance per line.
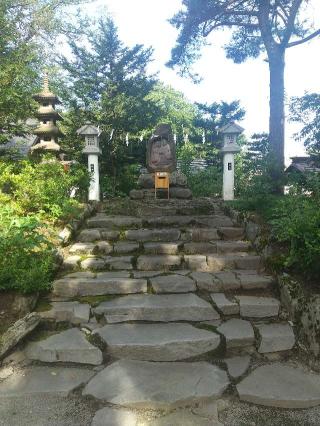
(28,31)
(121,184)
(254,168)
(203,183)
(306,110)
(26,256)
(43,188)
(295,223)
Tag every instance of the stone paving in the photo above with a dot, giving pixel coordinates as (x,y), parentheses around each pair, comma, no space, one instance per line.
(164,311)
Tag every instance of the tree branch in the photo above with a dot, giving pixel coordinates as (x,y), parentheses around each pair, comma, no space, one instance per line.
(303,40)
(290,23)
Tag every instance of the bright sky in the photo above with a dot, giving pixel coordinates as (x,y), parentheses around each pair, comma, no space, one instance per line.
(146,22)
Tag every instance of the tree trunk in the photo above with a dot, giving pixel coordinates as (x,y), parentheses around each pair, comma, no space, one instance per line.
(276,123)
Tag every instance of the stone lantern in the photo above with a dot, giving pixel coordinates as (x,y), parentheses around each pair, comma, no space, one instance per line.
(92,150)
(230,133)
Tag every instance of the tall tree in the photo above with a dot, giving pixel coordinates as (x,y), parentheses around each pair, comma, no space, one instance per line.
(28,28)
(108,83)
(271,26)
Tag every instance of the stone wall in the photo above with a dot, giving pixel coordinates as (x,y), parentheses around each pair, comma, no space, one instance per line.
(303,306)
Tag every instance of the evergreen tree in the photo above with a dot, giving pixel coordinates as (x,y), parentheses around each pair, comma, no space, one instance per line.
(258,26)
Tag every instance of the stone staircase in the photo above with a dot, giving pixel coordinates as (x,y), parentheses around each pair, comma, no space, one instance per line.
(176,308)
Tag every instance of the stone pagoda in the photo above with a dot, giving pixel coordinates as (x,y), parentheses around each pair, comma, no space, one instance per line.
(47,131)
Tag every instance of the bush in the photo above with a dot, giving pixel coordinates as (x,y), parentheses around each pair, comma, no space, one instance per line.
(123,183)
(26,254)
(205,183)
(43,189)
(296,223)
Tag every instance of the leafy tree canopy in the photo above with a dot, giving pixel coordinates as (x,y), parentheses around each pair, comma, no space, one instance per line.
(306,110)
(28,28)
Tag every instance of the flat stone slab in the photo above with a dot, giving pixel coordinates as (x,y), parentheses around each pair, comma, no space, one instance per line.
(71,262)
(125,247)
(142,384)
(44,380)
(103,221)
(94,263)
(232,246)
(89,235)
(161,248)
(163,308)
(119,263)
(280,385)
(82,248)
(114,417)
(237,332)
(206,281)
(238,365)
(98,286)
(228,280)
(196,262)
(68,346)
(163,262)
(275,337)
(157,342)
(253,280)
(74,312)
(200,248)
(172,284)
(202,234)
(226,306)
(153,234)
(258,307)
(181,418)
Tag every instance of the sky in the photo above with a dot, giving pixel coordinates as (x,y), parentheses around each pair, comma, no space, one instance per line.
(146,22)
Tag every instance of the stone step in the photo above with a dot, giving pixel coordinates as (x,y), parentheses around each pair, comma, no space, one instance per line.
(237,333)
(281,385)
(162,308)
(150,234)
(224,304)
(173,283)
(102,248)
(219,262)
(77,287)
(275,337)
(159,262)
(55,381)
(157,342)
(73,312)
(102,220)
(157,385)
(258,307)
(68,346)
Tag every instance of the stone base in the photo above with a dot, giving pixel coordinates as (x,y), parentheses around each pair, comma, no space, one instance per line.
(178,187)
(148,194)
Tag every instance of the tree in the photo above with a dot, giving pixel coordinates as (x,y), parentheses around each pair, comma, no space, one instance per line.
(28,28)
(270,26)
(107,83)
(306,110)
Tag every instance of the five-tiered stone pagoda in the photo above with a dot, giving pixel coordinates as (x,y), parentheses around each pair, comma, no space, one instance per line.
(48,132)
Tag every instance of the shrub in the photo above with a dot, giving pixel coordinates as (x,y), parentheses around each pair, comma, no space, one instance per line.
(26,254)
(43,188)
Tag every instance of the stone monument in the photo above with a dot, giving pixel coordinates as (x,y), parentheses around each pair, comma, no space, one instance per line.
(161,157)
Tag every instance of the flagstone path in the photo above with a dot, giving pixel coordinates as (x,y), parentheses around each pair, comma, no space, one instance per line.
(164,313)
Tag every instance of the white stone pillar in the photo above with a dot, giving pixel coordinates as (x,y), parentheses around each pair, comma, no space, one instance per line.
(93,167)
(228,176)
